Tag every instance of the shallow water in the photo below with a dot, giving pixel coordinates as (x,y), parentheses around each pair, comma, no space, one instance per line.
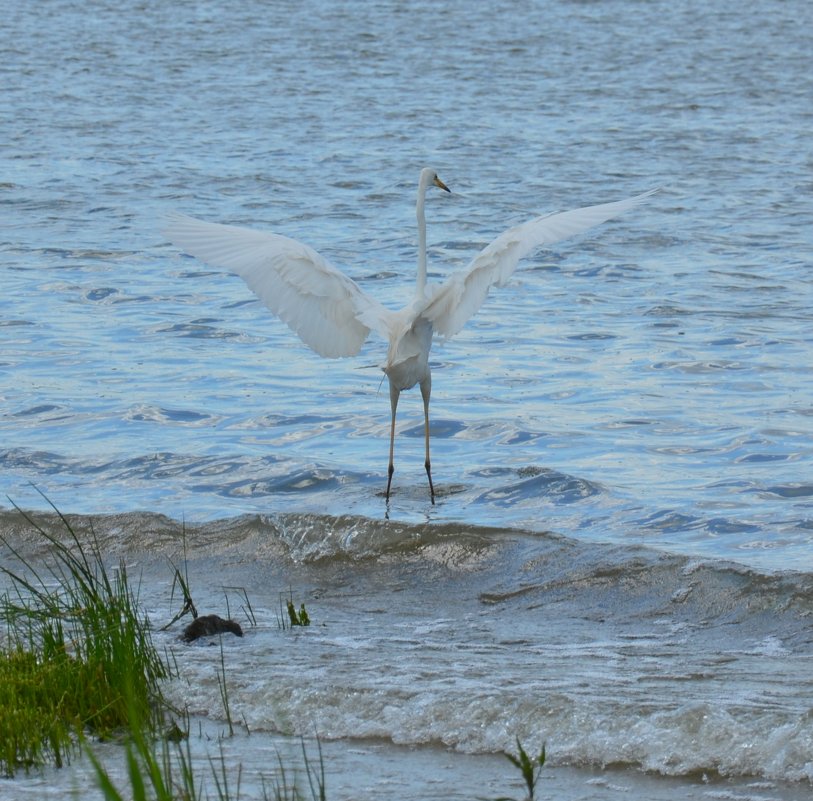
(462,639)
(626,418)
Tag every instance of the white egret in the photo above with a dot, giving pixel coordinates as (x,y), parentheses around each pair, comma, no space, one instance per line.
(333,315)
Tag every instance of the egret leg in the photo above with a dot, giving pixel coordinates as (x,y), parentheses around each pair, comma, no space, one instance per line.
(426,389)
(394,395)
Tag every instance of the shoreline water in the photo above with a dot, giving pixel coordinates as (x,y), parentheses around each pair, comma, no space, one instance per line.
(365,770)
(464,638)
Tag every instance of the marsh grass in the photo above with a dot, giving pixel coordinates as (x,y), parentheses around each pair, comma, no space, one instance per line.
(158,769)
(530,768)
(76,658)
(286,785)
(164,771)
(77,664)
(245,606)
(224,690)
(180,583)
(288,616)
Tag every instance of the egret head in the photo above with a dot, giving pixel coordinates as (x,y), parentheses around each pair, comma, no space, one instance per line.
(430,178)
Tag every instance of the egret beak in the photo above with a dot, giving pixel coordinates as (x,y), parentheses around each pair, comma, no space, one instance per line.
(440,185)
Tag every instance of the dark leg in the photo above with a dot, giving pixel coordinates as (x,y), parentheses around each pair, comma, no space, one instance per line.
(394,394)
(426,389)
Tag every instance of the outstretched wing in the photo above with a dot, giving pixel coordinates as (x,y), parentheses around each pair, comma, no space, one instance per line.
(328,310)
(462,294)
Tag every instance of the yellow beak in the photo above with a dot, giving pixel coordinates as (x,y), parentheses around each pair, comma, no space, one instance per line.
(440,185)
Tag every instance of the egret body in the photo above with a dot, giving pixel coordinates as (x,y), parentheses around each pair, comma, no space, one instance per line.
(333,315)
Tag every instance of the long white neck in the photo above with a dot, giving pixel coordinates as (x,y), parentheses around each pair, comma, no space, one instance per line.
(422,186)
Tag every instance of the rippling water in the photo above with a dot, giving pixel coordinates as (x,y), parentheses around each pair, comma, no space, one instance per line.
(646,385)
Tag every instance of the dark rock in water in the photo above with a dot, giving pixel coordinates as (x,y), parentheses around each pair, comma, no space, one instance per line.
(209,625)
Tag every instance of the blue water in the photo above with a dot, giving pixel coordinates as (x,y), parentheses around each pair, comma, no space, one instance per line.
(647,384)
(663,360)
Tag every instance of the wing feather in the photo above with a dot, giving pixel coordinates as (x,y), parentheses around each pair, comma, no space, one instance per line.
(462,294)
(328,310)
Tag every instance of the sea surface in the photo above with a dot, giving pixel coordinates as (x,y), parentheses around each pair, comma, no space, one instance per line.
(620,560)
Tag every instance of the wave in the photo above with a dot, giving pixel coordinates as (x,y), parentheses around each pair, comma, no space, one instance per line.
(520,497)
(523,564)
(692,739)
(470,636)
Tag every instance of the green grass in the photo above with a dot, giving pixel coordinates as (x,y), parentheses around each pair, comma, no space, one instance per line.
(289,617)
(529,767)
(157,770)
(77,665)
(162,771)
(76,658)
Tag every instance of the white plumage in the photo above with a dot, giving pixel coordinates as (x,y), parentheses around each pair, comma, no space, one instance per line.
(462,294)
(333,315)
(328,310)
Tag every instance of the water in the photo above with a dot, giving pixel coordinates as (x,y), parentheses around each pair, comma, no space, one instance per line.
(619,561)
